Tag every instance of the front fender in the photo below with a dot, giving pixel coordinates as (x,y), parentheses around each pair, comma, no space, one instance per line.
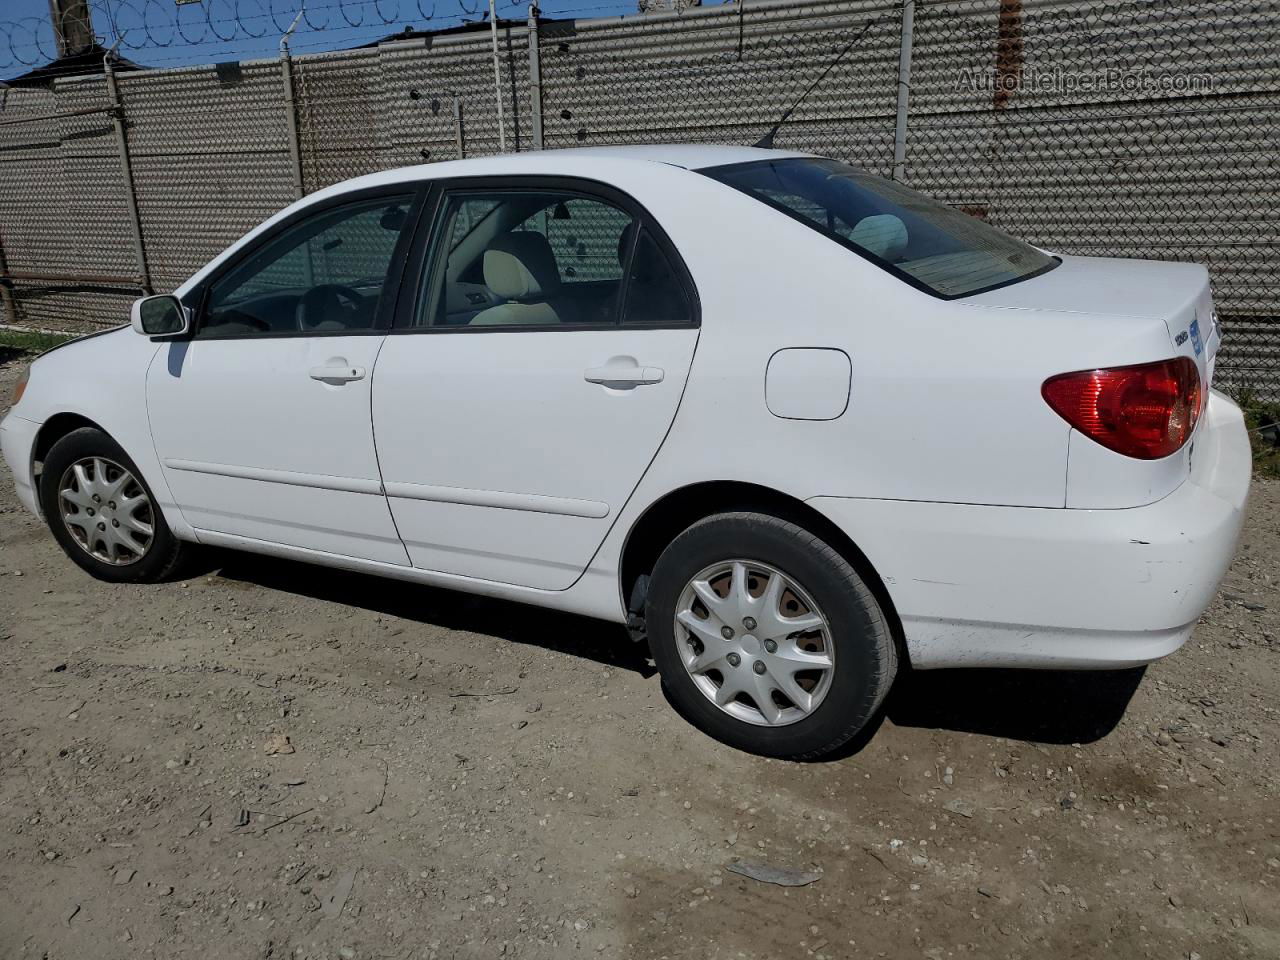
(102,379)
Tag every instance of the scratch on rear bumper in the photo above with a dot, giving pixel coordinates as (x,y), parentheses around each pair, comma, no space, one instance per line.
(1063,588)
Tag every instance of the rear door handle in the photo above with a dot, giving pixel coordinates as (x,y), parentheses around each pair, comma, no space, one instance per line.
(623,376)
(336,374)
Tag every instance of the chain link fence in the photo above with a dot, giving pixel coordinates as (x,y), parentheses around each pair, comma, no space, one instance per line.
(1120,129)
(727,76)
(1131,128)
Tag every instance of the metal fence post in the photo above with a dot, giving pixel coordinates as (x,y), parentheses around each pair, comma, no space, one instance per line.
(904,90)
(535,76)
(126,171)
(7,299)
(458,133)
(497,75)
(291,109)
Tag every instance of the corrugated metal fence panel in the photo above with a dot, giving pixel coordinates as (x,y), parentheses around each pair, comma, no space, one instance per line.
(416,107)
(339,109)
(1130,129)
(422,82)
(92,217)
(31,185)
(726,74)
(210,159)
(361,111)
(96,219)
(1082,51)
(60,206)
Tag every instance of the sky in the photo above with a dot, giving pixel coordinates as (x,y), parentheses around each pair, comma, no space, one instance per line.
(165,33)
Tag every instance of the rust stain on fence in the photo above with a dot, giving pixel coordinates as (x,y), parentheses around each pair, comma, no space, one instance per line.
(1009,52)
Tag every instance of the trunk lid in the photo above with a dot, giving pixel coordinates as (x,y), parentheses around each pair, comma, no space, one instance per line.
(1105,313)
(1176,293)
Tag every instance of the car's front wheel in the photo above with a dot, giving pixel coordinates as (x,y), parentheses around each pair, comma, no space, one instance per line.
(102,513)
(766,637)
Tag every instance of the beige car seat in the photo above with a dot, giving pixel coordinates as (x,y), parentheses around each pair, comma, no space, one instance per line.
(520,267)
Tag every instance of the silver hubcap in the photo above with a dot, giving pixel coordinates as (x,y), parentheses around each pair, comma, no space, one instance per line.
(106,511)
(754,642)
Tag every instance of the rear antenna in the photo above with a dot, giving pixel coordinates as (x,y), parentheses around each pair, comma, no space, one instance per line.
(767,140)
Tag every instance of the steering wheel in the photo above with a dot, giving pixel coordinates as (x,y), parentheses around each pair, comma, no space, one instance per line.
(330,306)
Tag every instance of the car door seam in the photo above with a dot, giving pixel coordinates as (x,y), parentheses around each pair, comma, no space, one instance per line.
(155,449)
(373,432)
(688,375)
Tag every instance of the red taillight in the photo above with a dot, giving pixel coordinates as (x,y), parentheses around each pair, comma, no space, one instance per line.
(1146,411)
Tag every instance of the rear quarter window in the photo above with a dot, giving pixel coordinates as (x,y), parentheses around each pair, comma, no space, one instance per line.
(936,248)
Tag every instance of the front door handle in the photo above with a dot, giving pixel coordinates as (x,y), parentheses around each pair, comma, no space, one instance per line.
(622,376)
(337,374)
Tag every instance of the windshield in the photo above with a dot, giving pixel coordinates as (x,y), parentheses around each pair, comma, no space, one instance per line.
(932,246)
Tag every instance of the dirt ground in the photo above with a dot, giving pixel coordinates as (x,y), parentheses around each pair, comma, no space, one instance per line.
(477,779)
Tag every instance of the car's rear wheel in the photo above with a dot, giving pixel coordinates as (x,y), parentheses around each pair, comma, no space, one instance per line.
(102,513)
(766,637)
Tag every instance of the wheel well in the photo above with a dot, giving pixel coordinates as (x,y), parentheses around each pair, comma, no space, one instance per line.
(665,519)
(53,430)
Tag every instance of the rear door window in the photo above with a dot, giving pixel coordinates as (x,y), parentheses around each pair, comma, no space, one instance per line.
(547,259)
(585,235)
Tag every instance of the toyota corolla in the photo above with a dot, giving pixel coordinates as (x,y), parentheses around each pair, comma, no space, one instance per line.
(795,424)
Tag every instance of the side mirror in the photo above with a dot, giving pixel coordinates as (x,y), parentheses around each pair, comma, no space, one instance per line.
(159,316)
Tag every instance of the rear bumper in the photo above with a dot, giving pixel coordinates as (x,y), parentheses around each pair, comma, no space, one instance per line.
(1060,588)
(17,440)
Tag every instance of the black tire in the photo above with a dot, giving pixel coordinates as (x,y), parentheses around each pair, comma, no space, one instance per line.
(163,556)
(866,657)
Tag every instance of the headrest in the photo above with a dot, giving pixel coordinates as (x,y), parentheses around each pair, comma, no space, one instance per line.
(884,235)
(521,266)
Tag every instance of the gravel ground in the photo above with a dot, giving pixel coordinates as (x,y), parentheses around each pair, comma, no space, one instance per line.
(476,779)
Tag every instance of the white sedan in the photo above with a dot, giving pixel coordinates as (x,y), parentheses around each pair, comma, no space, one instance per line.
(798,425)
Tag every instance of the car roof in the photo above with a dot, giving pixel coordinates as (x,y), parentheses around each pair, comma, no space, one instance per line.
(583,162)
(691,156)
(572,161)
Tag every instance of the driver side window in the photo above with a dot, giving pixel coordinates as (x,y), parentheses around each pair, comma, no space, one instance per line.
(322,275)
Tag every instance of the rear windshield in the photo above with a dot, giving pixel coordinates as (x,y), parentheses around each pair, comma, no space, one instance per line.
(932,246)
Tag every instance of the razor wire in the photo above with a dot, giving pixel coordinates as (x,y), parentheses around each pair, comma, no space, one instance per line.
(142,25)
